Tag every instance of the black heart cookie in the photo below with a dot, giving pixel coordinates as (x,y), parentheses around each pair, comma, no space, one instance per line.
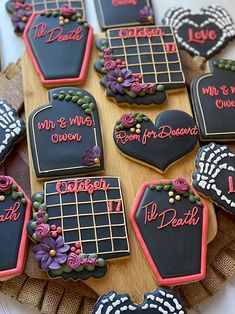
(215,174)
(213,96)
(116,13)
(23,9)
(12,129)
(77,225)
(139,64)
(65,39)
(161,301)
(15,212)
(65,135)
(171,213)
(158,145)
(203,34)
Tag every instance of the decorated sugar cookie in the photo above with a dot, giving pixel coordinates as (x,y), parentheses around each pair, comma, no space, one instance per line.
(215,174)
(78,225)
(12,129)
(201,34)
(139,64)
(213,96)
(171,137)
(65,135)
(171,213)
(21,10)
(65,39)
(15,212)
(115,13)
(161,301)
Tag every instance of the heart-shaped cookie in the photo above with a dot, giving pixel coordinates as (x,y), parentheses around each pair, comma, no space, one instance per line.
(203,34)
(158,145)
(215,175)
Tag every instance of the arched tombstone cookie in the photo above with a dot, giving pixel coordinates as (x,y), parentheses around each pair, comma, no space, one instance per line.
(160,301)
(12,129)
(213,96)
(78,225)
(139,64)
(65,135)
(65,39)
(170,222)
(116,13)
(158,145)
(214,176)
(201,34)
(15,212)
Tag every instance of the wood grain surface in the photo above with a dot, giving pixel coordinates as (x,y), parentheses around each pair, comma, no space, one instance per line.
(132,275)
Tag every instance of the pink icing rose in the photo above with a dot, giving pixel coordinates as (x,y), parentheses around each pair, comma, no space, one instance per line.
(110,65)
(5,183)
(67,11)
(73,261)
(42,231)
(180,186)
(127,120)
(152,88)
(136,87)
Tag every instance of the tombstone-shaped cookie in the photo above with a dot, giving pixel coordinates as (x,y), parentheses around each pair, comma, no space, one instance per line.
(203,34)
(65,135)
(78,224)
(65,39)
(170,222)
(159,145)
(21,10)
(116,13)
(138,64)
(15,212)
(213,96)
(215,175)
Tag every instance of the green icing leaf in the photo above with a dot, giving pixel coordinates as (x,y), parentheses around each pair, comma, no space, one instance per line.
(57,272)
(159,187)
(152,187)
(191,198)
(167,187)
(88,111)
(38,197)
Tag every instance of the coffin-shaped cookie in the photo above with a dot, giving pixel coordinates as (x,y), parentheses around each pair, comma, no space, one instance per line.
(65,135)
(170,222)
(59,44)
(15,212)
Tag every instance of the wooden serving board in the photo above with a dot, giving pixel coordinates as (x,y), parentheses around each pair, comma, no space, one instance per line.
(132,275)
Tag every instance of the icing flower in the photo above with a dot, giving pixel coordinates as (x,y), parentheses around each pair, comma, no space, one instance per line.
(91,157)
(42,231)
(40,221)
(41,213)
(146,15)
(73,261)
(119,79)
(20,19)
(127,120)
(51,254)
(93,261)
(110,65)
(136,87)
(180,186)
(107,53)
(152,88)
(67,11)
(5,183)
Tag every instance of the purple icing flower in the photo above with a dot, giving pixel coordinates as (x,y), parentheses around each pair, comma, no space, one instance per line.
(107,53)
(5,183)
(93,261)
(20,19)
(152,88)
(41,213)
(42,231)
(136,87)
(67,11)
(146,15)
(92,156)
(127,120)
(73,261)
(110,65)
(180,186)
(51,254)
(119,79)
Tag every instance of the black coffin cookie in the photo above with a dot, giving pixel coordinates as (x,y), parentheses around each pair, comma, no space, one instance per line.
(213,96)
(161,301)
(115,13)
(170,221)
(139,64)
(65,135)
(84,220)
(158,145)
(15,212)
(215,174)
(12,129)
(203,34)
(65,39)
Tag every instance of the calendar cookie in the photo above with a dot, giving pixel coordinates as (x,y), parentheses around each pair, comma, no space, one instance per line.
(78,225)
